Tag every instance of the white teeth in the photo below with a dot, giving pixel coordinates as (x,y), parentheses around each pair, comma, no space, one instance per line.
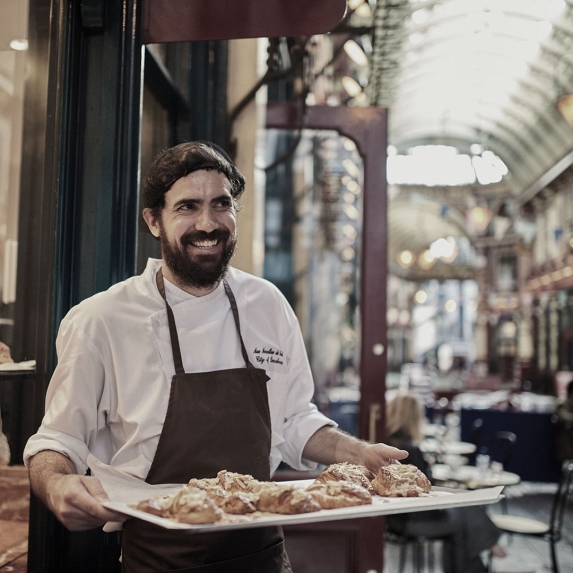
(205,244)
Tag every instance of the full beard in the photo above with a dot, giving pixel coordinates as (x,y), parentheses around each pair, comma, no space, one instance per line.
(198,271)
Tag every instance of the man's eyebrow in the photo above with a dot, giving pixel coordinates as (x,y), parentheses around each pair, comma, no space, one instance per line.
(187,201)
(222,197)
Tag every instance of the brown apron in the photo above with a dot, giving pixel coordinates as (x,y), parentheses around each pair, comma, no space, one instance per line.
(215,420)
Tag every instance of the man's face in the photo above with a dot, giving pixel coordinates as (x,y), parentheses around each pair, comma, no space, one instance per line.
(197,228)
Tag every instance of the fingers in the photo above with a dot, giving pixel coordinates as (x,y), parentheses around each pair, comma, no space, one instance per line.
(378,455)
(76,501)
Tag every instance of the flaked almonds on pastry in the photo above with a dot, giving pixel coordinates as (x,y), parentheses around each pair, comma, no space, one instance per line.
(332,495)
(352,473)
(401,480)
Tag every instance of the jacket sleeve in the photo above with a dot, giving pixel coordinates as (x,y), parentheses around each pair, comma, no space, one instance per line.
(72,419)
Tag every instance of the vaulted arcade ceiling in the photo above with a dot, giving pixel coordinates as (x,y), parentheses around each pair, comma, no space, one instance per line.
(486,72)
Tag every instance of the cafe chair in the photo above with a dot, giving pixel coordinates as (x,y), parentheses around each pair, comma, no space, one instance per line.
(475,439)
(422,550)
(501,447)
(551,531)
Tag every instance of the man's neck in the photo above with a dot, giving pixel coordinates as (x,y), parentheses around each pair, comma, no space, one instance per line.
(195,291)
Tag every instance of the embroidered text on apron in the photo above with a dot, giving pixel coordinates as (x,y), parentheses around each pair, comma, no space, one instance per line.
(215,420)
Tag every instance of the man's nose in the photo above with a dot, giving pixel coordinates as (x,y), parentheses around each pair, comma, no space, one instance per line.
(206,221)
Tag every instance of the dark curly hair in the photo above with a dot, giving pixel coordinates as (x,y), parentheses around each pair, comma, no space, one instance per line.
(176,162)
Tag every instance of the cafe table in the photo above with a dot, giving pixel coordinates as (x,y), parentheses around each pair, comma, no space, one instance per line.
(472,477)
(448,447)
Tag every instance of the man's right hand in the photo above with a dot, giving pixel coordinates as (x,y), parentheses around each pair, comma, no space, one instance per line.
(74,499)
(76,502)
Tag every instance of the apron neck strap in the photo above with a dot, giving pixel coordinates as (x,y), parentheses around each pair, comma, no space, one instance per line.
(176,348)
(172,328)
(235,310)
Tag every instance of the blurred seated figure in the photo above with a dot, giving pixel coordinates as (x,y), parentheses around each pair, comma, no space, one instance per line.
(466,531)
(564,428)
(4,447)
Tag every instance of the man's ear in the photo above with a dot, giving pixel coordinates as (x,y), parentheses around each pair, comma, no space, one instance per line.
(152,222)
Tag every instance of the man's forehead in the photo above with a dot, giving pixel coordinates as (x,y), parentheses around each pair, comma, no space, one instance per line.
(201,181)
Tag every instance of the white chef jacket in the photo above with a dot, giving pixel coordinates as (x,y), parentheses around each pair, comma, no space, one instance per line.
(110,390)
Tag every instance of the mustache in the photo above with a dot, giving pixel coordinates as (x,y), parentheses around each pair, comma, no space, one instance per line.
(198,236)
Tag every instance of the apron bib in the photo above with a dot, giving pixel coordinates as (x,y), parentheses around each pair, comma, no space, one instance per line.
(215,420)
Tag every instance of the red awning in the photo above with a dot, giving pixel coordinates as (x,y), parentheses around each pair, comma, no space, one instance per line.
(192,20)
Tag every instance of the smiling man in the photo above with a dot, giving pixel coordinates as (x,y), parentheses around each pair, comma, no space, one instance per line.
(163,377)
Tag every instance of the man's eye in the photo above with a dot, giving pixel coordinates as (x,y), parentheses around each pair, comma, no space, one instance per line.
(224,203)
(187,207)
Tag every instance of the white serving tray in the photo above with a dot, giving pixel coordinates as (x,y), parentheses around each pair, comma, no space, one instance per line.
(439,498)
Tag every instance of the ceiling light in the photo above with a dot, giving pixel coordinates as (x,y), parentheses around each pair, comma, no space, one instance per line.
(426,260)
(406,259)
(565,108)
(555,8)
(443,248)
(352,87)
(355,53)
(353,186)
(351,211)
(348,144)
(364,10)
(348,254)
(19,44)
(451,305)
(351,167)
(509,329)
(421,296)
(353,4)
(480,217)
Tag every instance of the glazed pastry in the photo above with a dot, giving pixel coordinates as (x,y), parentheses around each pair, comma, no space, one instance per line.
(401,480)
(332,494)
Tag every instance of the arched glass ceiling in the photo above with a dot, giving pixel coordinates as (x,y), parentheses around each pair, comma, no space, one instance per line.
(488,72)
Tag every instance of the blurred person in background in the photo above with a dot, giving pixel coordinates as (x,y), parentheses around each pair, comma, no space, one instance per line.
(466,531)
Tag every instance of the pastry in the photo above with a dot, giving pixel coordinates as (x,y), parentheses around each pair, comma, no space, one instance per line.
(332,494)
(190,505)
(240,483)
(352,473)
(285,499)
(401,480)
(156,506)
(239,504)
(233,502)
